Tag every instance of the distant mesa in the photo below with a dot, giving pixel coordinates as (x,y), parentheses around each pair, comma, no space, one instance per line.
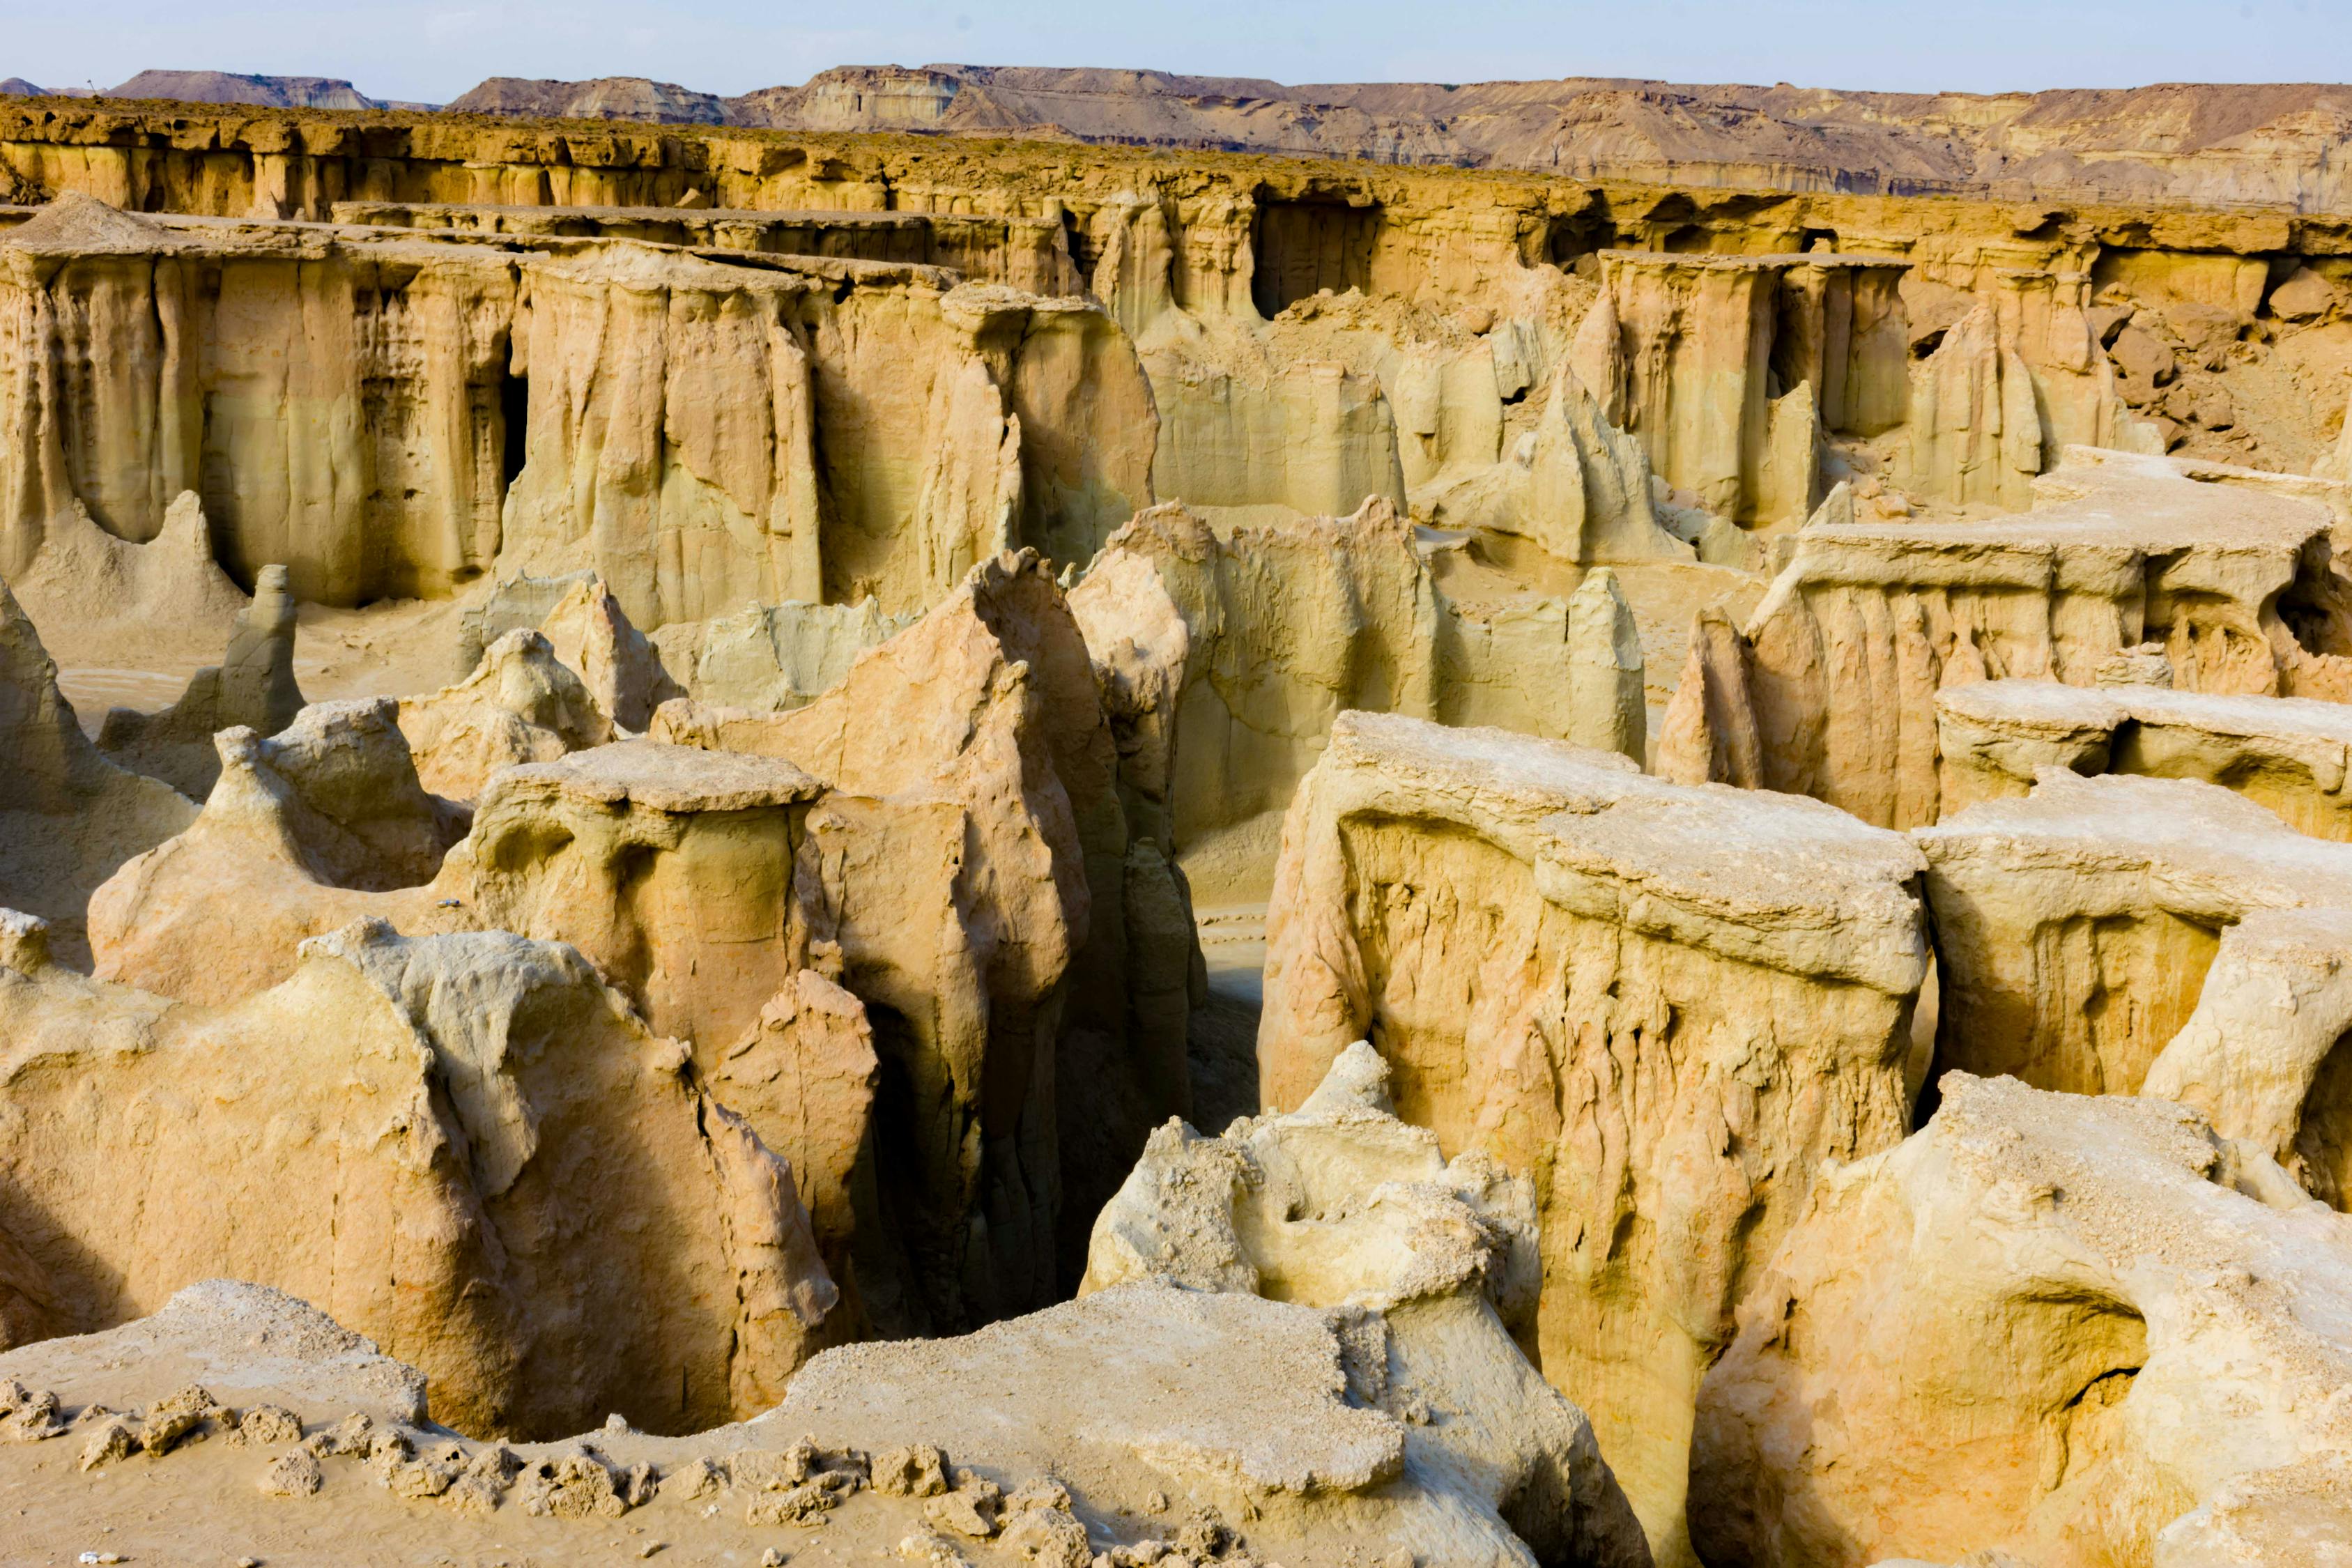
(268,92)
(606,97)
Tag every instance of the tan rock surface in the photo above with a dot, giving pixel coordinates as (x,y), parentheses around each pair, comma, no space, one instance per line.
(468,1144)
(1840,665)
(253,685)
(2074,928)
(2286,752)
(304,832)
(1667,1006)
(521,704)
(1032,958)
(1235,662)
(69,817)
(932,425)
(1428,1265)
(1143,1423)
(2082,1331)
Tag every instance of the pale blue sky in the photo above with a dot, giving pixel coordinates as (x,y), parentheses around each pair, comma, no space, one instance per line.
(437,49)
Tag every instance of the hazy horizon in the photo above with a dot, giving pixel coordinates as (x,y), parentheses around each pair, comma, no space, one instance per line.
(433,53)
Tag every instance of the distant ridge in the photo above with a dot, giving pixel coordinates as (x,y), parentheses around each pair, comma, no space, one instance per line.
(2277,144)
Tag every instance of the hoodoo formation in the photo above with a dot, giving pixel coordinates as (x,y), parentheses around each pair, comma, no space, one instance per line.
(993,816)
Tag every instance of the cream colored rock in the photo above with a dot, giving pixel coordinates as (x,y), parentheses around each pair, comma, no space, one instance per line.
(771,658)
(1141,1424)
(701,435)
(975,866)
(1284,626)
(468,1144)
(2080,1331)
(79,573)
(1834,676)
(2074,928)
(68,816)
(303,832)
(1668,1006)
(591,636)
(671,871)
(2258,1057)
(1427,1266)
(1607,708)
(1702,337)
(253,685)
(2286,752)
(521,704)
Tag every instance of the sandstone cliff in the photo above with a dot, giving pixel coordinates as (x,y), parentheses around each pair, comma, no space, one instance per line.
(1666,1007)
(780,430)
(1229,658)
(1829,688)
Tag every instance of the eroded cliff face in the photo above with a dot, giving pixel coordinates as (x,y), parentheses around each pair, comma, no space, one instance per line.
(1314,335)
(1666,1007)
(396,417)
(1829,689)
(1229,657)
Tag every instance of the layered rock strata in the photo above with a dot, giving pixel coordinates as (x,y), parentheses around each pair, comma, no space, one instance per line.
(1028,253)
(1829,690)
(2109,1336)
(540,406)
(1994,738)
(1667,1006)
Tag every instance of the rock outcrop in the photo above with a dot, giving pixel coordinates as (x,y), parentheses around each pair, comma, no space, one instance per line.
(1029,952)
(1143,1425)
(1668,1008)
(1829,689)
(1234,654)
(253,685)
(468,1145)
(773,658)
(2078,928)
(68,816)
(304,831)
(1429,1265)
(521,704)
(2080,1331)
(1994,738)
